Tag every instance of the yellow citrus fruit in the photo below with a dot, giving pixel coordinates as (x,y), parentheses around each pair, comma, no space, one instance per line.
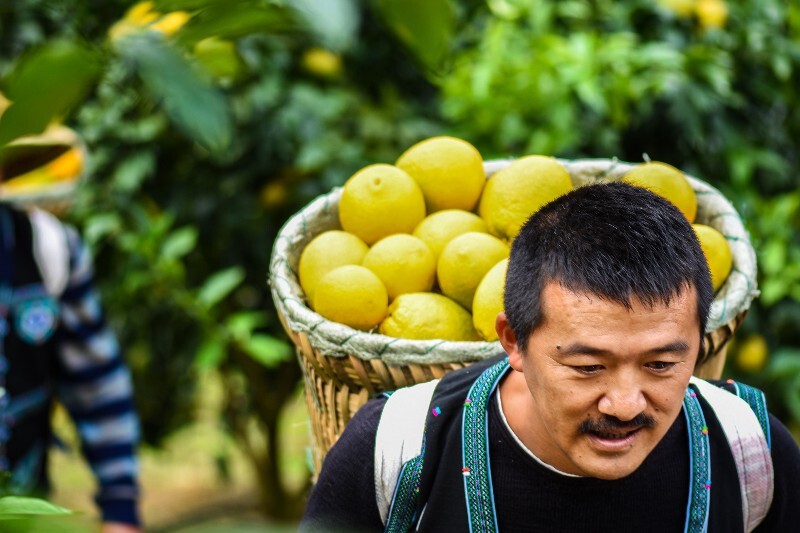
(439,228)
(666,181)
(464,262)
(325,252)
(711,14)
(352,295)
(403,263)
(380,200)
(321,62)
(170,23)
(488,301)
(449,172)
(752,354)
(717,252)
(427,315)
(514,193)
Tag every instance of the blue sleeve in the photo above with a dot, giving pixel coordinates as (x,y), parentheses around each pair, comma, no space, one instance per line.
(97,391)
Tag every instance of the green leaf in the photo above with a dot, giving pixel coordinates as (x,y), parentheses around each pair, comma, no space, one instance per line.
(793,398)
(100,225)
(194,105)
(130,173)
(218,58)
(772,290)
(210,353)
(784,363)
(426,27)
(335,22)
(219,285)
(230,21)
(773,256)
(45,86)
(13,506)
(241,325)
(179,243)
(267,350)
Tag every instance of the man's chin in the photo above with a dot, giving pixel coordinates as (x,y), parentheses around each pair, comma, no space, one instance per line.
(612,458)
(612,473)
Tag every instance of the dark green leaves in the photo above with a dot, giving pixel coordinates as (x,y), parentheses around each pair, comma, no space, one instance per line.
(219,285)
(237,18)
(334,22)
(426,27)
(193,104)
(47,84)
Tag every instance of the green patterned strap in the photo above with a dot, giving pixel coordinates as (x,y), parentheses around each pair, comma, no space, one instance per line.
(481,514)
(757,402)
(699,465)
(398,454)
(404,503)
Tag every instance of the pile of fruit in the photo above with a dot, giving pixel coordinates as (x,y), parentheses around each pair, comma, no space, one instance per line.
(424,244)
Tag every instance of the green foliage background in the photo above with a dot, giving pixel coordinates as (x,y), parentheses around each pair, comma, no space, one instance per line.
(201,151)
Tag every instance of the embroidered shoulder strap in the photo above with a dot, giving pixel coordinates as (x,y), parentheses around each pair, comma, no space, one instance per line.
(699,465)
(749,445)
(757,402)
(399,447)
(481,513)
(401,431)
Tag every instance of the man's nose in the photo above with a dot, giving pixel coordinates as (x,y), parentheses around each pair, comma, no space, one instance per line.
(623,399)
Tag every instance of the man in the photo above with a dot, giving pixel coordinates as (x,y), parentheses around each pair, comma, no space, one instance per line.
(55,342)
(589,421)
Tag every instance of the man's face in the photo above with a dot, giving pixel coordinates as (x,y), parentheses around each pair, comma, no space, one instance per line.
(598,384)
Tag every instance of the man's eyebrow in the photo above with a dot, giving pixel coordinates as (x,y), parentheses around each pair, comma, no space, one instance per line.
(672,347)
(579,348)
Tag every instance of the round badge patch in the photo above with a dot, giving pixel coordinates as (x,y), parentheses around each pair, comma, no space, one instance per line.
(36,319)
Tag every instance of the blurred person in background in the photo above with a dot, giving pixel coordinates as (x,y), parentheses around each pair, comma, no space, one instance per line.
(55,341)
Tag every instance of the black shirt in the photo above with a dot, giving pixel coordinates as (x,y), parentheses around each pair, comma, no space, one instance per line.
(530,497)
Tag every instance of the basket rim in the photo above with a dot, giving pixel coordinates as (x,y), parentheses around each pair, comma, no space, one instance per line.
(335,339)
(56,193)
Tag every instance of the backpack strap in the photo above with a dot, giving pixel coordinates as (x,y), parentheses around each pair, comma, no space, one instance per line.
(51,250)
(475,450)
(699,501)
(399,447)
(757,402)
(749,445)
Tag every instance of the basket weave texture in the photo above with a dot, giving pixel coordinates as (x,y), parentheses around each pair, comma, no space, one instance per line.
(343,367)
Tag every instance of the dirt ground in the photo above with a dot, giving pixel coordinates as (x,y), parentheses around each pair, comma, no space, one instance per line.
(183,490)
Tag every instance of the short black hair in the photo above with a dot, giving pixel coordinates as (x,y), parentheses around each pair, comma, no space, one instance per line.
(613,240)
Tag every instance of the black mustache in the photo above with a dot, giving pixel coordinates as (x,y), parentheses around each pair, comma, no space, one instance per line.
(612,424)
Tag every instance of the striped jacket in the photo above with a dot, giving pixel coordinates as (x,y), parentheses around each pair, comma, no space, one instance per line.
(52,319)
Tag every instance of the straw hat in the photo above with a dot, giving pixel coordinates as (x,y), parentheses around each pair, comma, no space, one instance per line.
(43,170)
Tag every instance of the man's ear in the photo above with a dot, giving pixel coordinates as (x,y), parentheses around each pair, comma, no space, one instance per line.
(508,339)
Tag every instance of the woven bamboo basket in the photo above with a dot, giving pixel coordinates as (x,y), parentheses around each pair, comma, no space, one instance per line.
(56,197)
(343,367)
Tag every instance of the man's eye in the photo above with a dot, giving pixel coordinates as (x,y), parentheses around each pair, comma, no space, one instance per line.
(588,369)
(660,365)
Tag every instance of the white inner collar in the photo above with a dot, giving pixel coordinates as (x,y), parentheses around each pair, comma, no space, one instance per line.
(520,443)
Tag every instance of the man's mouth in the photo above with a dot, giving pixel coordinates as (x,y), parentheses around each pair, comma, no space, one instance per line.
(615,441)
(615,435)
